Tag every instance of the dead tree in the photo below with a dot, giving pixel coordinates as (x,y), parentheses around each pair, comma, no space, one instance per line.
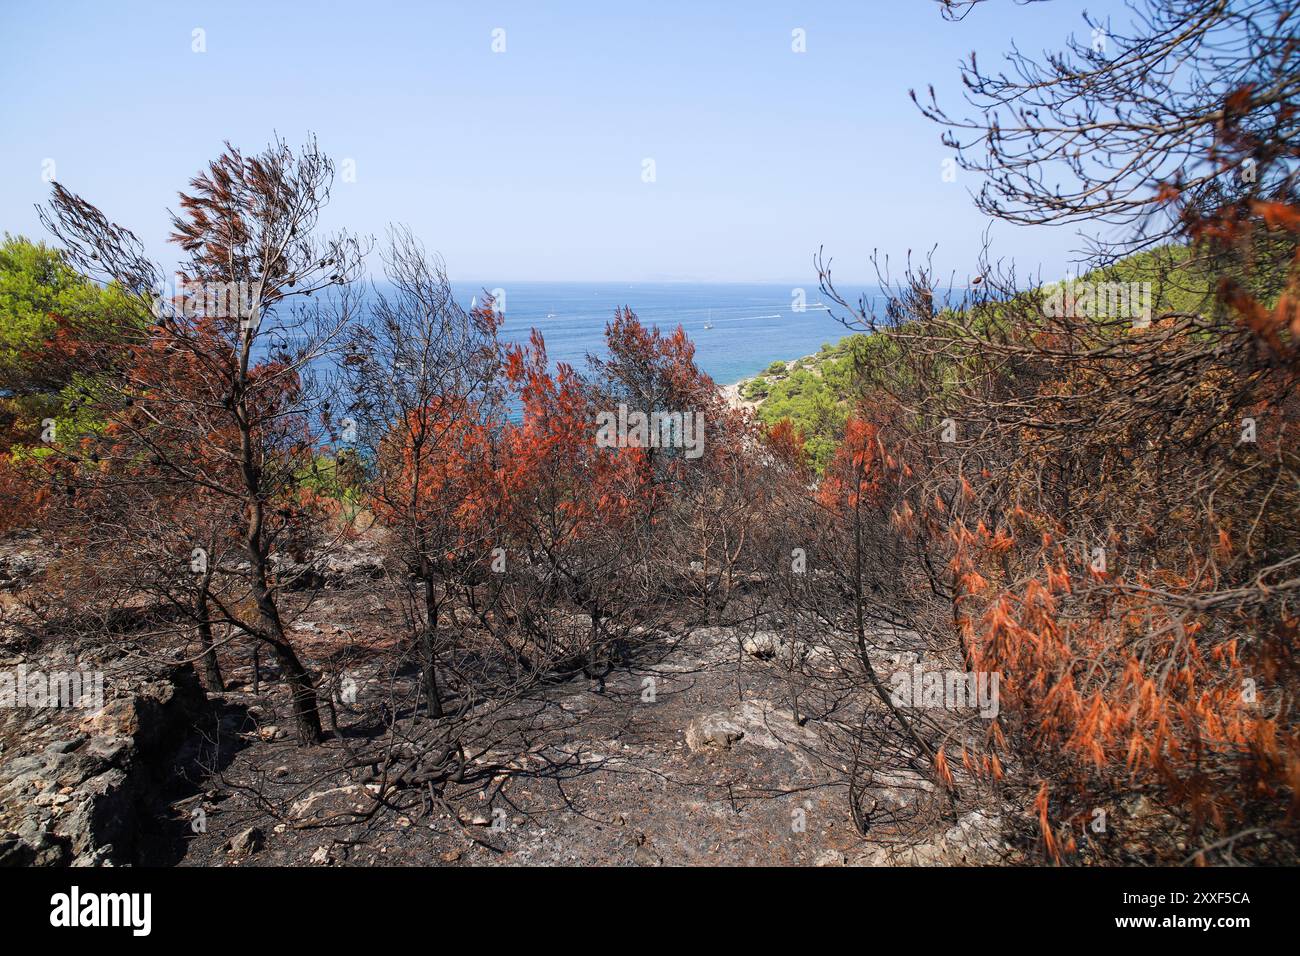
(224,393)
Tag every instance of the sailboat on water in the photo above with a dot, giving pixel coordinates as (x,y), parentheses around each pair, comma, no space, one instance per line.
(708,323)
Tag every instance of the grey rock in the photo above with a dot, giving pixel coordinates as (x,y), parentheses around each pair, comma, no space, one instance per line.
(79,802)
(103,752)
(350,563)
(763,645)
(643,854)
(65,746)
(14,851)
(829,858)
(245,843)
(713,732)
(324,802)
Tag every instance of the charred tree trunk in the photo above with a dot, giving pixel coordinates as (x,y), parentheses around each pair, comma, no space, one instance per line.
(306,712)
(428,644)
(209,665)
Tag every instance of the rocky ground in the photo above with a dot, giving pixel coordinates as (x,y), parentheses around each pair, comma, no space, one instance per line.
(706,772)
(687,754)
(89,787)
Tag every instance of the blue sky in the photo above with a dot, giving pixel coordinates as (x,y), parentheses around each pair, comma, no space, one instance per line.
(528,164)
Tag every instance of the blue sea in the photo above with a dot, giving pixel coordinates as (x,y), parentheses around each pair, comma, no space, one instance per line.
(738,329)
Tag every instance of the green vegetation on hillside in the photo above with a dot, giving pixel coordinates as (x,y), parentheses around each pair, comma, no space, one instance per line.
(48,311)
(816,392)
(813,393)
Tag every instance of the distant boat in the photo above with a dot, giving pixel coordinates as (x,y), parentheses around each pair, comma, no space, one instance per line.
(708,323)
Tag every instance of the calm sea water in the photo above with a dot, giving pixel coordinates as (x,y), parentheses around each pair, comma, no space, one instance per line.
(749,326)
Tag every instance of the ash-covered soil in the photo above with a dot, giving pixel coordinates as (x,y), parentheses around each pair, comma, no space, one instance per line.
(686,752)
(687,757)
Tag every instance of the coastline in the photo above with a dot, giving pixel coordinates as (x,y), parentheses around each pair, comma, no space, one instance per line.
(731,394)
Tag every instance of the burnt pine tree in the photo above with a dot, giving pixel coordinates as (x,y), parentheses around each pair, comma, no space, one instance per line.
(225,391)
